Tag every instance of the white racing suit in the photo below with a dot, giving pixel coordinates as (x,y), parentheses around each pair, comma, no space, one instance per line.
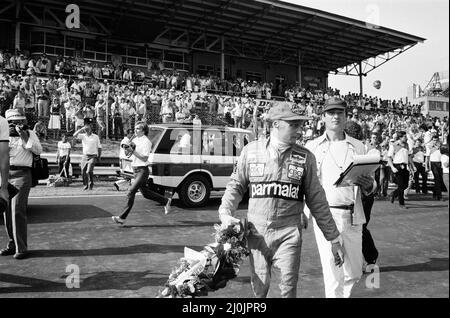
(278,184)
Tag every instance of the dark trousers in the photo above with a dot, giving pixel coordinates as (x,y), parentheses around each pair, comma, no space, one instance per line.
(385,175)
(64,162)
(15,216)
(401,179)
(118,128)
(140,183)
(436,169)
(369,249)
(420,170)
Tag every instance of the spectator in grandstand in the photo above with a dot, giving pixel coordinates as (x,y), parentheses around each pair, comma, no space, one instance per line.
(40,129)
(100,115)
(19,101)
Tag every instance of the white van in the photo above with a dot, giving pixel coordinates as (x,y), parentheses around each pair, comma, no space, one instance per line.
(192,160)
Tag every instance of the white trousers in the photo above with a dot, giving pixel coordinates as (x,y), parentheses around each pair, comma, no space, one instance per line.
(339,281)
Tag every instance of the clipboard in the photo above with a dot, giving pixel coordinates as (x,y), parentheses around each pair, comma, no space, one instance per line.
(361,165)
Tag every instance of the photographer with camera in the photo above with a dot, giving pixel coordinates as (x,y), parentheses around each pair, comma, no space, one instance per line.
(92,152)
(139,149)
(23,143)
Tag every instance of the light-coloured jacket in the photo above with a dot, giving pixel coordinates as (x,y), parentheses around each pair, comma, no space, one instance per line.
(319,148)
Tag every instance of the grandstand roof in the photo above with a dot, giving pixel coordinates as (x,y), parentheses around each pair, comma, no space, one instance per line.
(270,30)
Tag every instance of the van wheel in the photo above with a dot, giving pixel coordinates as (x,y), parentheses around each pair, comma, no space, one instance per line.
(195,191)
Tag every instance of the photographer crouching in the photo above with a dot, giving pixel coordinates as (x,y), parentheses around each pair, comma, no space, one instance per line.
(23,142)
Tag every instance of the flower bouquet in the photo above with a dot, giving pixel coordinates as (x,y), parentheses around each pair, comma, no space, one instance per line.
(199,273)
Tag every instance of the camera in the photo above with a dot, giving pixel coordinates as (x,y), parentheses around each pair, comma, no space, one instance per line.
(13,131)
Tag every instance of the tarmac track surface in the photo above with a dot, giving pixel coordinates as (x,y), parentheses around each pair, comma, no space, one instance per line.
(135,260)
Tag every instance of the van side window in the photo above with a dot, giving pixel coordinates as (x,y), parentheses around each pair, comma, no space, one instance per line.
(213,143)
(238,144)
(183,142)
(166,144)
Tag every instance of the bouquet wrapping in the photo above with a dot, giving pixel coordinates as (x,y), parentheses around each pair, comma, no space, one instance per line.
(198,273)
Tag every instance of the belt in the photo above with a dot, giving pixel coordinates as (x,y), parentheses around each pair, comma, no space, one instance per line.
(350,208)
(19,168)
(343,207)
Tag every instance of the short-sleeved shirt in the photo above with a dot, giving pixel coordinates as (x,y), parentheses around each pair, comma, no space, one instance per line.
(400,156)
(63,148)
(143,147)
(90,144)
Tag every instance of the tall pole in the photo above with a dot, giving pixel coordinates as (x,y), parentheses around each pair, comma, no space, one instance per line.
(222,58)
(17,33)
(107,112)
(299,68)
(360,84)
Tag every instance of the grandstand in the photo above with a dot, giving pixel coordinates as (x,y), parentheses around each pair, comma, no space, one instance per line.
(260,40)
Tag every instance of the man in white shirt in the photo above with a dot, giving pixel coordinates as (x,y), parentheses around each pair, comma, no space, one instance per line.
(92,152)
(23,143)
(418,158)
(433,163)
(139,150)
(399,160)
(334,151)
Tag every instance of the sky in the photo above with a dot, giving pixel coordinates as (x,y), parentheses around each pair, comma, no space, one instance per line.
(427,19)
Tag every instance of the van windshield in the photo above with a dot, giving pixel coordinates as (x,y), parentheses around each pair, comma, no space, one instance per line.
(154,135)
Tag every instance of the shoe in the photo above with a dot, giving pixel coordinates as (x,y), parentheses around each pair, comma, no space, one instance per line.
(168,207)
(403,207)
(91,187)
(117,187)
(392,198)
(118,220)
(22,255)
(7,251)
(85,188)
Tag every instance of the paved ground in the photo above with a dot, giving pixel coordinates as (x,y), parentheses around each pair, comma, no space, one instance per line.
(135,260)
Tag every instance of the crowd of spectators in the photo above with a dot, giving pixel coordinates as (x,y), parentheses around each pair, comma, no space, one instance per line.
(58,95)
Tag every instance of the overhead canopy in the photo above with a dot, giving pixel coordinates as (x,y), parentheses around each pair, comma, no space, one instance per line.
(269,30)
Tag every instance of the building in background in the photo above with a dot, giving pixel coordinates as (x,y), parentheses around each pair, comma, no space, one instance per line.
(434,98)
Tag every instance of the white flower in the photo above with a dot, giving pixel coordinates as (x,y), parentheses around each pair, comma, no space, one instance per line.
(226,246)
